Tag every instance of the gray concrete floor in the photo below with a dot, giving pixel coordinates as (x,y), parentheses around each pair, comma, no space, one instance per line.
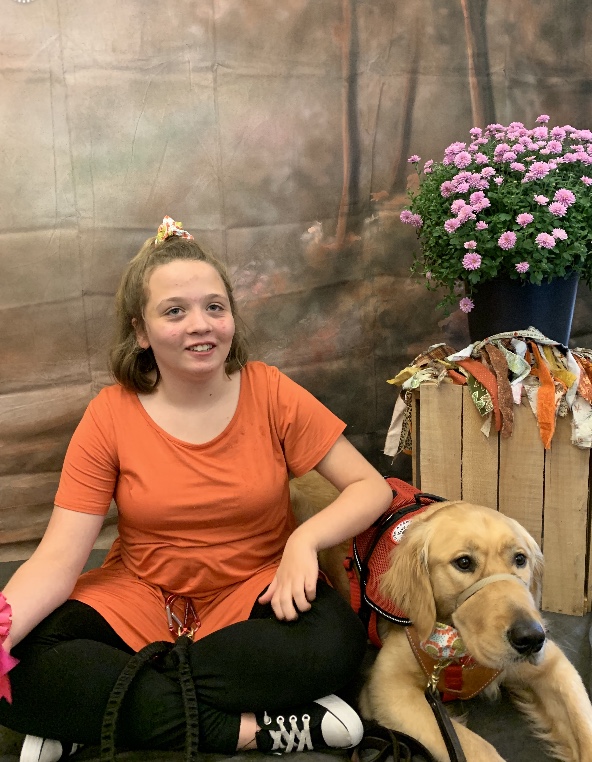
(496,721)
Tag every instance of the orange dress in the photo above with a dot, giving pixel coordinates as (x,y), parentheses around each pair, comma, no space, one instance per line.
(205,521)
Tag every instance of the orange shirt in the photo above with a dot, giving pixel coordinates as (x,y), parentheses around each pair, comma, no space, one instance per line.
(206,521)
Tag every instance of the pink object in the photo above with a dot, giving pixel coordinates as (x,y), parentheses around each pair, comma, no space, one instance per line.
(7,662)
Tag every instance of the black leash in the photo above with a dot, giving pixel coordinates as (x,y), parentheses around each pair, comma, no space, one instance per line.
(445,724)
(150,653)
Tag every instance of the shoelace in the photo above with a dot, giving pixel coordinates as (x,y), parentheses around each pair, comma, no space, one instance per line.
(284,739)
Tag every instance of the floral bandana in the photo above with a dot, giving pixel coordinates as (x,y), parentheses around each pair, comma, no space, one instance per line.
(168,228)
(444,643)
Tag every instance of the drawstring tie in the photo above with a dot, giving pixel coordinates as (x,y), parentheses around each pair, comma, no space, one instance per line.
(151,653)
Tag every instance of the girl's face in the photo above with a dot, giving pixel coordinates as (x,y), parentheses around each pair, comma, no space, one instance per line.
(188,322)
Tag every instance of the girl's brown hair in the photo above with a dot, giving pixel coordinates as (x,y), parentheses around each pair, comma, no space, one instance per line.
(134,367)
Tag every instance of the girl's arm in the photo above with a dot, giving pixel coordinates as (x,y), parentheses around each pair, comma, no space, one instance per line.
(365,495)
(46,579)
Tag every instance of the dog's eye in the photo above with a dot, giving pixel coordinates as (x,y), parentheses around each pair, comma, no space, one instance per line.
(464,563)
(520,559)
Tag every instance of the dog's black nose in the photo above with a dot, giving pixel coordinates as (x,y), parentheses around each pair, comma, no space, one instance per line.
(526,636)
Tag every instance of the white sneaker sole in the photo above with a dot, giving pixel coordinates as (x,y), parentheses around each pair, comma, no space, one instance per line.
(341,727)
(36,749)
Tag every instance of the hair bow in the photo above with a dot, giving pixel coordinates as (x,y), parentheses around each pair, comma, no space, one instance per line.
(168,228)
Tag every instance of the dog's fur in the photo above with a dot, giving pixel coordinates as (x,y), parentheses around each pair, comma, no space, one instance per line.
(424,579)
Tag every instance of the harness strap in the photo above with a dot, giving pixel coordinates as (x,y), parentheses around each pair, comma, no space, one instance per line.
(355,594)
(137,662)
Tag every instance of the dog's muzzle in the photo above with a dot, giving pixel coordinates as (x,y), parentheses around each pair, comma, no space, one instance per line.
(526,636)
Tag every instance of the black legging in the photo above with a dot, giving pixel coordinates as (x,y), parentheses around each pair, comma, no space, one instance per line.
(71,661)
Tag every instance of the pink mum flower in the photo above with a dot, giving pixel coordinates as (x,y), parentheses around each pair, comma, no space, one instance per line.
(414,159)
(542,200)
(524,219)
(564,196)
(471,244)
(498,180)
(429,275)
(487,172)
(544,241)
(543,119)
(559,234)
(446,189)
(586,180)
(466,213)
(481,158)
(457,205)
(462,159)
(416,221)
(507,240)
(451,225)
(522,267)
(517,166)
(479,206)
(481,225)
(406,216)
(466,304)
(471,261)
(554,146)
(538,170)
(558,209)
(427,167)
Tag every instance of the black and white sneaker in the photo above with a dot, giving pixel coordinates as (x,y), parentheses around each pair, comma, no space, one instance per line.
(327,723)
(36,749)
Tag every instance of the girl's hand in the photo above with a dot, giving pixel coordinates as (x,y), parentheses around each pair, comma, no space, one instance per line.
(295,582)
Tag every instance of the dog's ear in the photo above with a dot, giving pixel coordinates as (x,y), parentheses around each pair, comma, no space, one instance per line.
(407,580)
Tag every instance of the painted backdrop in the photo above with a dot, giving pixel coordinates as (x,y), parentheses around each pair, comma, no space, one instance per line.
(278,133)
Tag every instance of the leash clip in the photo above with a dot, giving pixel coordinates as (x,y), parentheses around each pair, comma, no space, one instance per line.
(435,676)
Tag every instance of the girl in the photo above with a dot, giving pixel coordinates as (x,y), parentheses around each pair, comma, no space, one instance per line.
(195,445)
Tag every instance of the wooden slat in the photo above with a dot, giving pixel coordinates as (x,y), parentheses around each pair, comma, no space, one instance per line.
(589,546)
(479,456)
(564,523)
(521,473)
(440,426)
(416,439)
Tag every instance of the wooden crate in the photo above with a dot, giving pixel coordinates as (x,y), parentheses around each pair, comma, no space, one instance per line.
(546,491)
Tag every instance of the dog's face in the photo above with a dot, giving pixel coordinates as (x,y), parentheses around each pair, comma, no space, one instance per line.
(444,552)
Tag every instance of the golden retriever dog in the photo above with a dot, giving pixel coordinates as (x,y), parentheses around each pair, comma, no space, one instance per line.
(479,571)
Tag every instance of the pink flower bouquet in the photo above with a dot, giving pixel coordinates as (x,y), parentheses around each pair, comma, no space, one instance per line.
(511,201)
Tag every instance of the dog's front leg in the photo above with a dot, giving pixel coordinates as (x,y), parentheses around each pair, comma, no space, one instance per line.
(552,695)
(393,696)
